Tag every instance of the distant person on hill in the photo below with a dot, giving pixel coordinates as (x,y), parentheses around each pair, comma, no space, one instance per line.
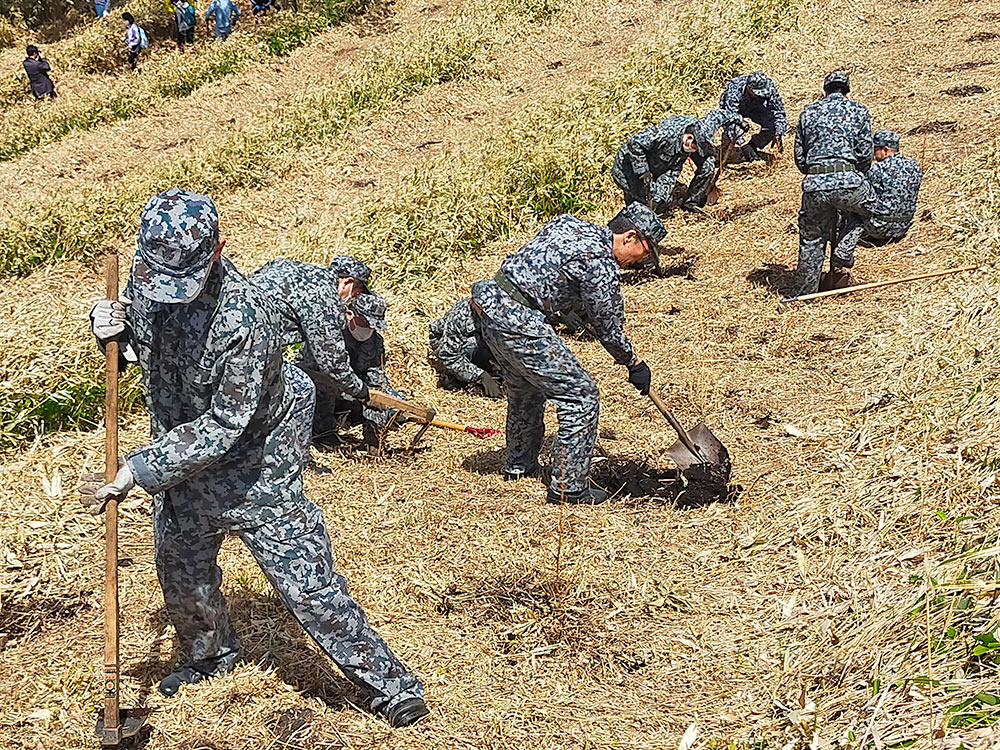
(135,39)
(102,8)
(896,181)
(755,97)
(225,13)
(185,17)
(263,7)
(833,149)
(37,68)
(649,164)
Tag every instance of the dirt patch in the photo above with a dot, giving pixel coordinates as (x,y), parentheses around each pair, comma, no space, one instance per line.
(293,730)
(971,65)
(201,743)
(965,90)
(29,617)
(742,209)
(937,126)
(983,36)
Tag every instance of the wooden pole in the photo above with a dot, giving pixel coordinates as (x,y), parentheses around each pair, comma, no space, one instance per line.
(876,284)
(112,734)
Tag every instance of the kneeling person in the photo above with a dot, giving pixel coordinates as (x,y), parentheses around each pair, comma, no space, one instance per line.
(457,343)
(896,181)
(570,265)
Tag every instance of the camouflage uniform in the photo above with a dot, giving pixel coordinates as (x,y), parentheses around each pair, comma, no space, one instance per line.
(568,265)
(657,154)
(833,149)
(311,312)
(767,110)
(230,425)
(896,182)
(367,363)
(458,343)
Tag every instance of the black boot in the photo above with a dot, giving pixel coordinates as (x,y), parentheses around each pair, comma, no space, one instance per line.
(587,496)
(170,684)
(407,713)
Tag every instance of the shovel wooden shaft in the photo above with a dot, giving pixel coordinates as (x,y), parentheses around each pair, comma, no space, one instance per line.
(681,432)
(112,729)
(876,284)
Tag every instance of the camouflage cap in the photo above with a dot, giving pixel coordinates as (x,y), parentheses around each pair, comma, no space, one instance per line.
(647,224)
(178,234)
(705,129)
(886,139)
(371,307)
(757,83)
(346,265)
(837,78)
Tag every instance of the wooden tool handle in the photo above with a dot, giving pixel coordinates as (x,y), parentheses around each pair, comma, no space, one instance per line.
(875,284)
(112,730)
(444,424)
(681,432)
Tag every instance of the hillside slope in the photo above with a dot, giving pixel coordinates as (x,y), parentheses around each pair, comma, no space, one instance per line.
(845,598)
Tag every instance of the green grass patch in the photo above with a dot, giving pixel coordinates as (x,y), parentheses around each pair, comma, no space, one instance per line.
(78,405)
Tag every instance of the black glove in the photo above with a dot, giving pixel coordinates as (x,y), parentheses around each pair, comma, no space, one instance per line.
(491,386)
(640,376)
(364,394)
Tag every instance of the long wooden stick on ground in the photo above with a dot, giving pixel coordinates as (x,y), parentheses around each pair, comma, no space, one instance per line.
(876,284)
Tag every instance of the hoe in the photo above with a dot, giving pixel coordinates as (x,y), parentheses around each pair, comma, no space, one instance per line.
(117,725)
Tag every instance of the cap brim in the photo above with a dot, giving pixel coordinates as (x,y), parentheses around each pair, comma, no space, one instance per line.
(165,288)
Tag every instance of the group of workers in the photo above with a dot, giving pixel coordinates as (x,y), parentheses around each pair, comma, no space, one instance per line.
(221,13)
(232,421)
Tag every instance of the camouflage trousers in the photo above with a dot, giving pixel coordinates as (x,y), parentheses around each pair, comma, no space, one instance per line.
(537,366)
(817,224)
(854,231)
(293,549)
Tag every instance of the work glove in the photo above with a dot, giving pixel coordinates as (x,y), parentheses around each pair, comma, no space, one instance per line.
(571,320)
(95,492)
(491,386)
(640,376)
(107,318)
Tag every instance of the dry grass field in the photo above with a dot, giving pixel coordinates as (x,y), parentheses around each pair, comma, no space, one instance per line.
(843,597)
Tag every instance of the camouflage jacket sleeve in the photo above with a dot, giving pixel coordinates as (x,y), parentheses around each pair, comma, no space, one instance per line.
(864,148)
(730,101)
(800,145)
(450,336)
(601,293)
(777,106)
(191,447)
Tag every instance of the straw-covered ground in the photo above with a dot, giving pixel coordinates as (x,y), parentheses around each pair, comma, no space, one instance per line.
(843,597)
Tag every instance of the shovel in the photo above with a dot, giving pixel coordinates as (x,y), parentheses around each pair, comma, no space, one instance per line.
(697,448)
(116,725)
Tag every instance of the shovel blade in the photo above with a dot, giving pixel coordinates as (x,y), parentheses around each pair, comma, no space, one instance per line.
(713,452)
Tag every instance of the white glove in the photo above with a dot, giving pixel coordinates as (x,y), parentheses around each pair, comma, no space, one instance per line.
(94,493)
(107,318)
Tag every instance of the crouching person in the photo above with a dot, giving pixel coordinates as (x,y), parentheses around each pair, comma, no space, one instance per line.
(230,423)
(459,350)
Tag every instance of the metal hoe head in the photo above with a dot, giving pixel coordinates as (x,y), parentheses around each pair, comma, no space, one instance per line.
(130,723)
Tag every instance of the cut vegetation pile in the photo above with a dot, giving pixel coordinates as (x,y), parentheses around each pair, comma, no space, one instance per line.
(844,598)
